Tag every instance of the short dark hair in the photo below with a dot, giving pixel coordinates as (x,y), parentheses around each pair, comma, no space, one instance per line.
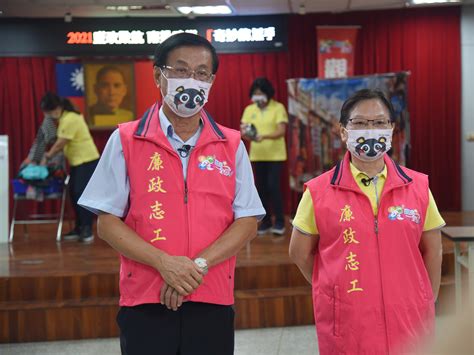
(184,40)
(104,70)
(264,85)
(362,95)
(51,101)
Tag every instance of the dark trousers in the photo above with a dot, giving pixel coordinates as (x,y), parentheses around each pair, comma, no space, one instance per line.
(194,329)
(268,177)
(80,176)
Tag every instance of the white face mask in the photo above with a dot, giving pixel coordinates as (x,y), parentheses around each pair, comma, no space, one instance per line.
(259,99)
(370,144)
(186,97)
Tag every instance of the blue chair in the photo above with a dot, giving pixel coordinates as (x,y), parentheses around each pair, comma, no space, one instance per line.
(56,190)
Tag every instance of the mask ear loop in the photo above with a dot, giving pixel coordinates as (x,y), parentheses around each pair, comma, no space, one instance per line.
(346,131)
(160,86)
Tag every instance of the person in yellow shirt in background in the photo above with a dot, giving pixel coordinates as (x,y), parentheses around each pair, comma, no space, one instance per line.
(267,150)
(74,138)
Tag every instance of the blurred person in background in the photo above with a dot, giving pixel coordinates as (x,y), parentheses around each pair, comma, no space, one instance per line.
(267,151)
(75,140)
(45,137)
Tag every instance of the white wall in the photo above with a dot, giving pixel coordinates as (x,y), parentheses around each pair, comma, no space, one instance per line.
(4,183)
(467,124)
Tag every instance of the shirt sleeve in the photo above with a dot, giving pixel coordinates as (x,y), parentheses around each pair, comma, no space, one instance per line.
(108,189)
(246,202)
(68,127)
(246,116)
(282,116)
(304,219)
(433,218)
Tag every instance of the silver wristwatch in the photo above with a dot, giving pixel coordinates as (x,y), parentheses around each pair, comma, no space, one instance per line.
(202,263)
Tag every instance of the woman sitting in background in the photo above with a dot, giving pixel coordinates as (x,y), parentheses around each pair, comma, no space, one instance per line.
(45,137)
(74,138)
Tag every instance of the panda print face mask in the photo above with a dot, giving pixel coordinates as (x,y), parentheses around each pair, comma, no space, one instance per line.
(370,144)
(186,97)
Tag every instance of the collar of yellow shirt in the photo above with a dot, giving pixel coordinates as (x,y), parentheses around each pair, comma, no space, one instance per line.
(359,175)
(369,190)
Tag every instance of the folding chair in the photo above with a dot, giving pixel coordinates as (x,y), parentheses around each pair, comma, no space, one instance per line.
(55,191)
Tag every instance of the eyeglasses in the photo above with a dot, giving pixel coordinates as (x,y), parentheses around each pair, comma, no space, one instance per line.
(358,123)
(186,73)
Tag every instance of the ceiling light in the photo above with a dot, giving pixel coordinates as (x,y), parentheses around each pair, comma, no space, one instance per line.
(124,7)
(302,10)
(205,10)
(68,17)
(426,2)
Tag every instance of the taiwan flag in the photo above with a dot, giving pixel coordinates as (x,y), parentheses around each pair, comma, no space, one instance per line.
(70,83)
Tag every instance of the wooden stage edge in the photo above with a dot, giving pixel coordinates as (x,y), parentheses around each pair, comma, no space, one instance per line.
(57,291)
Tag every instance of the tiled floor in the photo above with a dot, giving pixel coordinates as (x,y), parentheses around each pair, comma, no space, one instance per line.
(269,341)
(277,341)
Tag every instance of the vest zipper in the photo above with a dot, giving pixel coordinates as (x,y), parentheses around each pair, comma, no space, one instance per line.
(377,203)
(185,192)
(186,207)
(376,220)
(376,230)
(376,225)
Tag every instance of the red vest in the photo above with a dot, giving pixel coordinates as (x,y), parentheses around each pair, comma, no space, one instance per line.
(371,290)
(178,217)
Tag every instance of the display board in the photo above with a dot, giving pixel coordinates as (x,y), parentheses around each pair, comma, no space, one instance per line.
(314,144)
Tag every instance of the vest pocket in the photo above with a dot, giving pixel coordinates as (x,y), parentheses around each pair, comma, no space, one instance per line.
(128,268)
(336,310)
(128,277)
(229,275)
(427,292)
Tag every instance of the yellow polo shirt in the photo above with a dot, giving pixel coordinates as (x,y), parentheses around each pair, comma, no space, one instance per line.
(80,148)
(266,121)
(305,221)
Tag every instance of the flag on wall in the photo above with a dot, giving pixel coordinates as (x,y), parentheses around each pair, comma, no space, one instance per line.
(336,50)
(70,83)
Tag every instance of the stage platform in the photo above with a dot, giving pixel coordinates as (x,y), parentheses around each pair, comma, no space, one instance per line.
(55,291)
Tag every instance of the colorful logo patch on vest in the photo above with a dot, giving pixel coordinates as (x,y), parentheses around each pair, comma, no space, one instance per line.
(400,213)
(211,163)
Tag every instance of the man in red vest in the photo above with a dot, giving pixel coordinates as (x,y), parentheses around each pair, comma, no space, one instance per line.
(175,196)
(366,236)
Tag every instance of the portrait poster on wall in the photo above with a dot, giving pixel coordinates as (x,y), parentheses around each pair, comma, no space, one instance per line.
(109,93)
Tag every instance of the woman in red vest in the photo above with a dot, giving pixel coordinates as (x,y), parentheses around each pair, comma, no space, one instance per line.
(366,236)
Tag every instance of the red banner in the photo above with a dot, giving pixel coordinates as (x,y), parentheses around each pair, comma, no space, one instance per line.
(336,48)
